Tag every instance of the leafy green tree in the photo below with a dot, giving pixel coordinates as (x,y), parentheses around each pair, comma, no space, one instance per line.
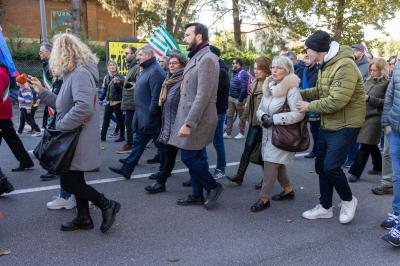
(346,19)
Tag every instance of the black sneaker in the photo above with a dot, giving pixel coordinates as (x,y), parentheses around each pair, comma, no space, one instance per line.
(390,222)
(5,186)
(48,177)
(156,159)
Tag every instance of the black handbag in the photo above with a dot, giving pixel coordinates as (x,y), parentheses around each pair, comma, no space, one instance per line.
(56,150)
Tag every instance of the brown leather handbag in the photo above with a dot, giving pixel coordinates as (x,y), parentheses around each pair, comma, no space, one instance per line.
(294,137)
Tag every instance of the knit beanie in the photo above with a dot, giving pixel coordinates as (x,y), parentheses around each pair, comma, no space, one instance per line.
(319,41)
(22,79)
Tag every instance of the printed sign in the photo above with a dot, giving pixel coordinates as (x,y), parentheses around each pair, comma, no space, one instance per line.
(61,19)
(116,51)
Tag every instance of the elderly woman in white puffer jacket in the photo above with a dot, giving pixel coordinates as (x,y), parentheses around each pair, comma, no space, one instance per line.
(282,84)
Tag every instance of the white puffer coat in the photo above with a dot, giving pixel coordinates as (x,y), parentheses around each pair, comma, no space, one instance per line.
(274,96)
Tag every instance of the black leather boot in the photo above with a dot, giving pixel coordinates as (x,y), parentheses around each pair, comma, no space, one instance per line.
(238,178)
(109,209)
(82,221)
(5,186)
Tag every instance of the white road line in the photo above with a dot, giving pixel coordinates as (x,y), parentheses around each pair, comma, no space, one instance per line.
(114,179)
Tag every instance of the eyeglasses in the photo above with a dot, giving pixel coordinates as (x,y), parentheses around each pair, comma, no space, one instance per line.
(277,68)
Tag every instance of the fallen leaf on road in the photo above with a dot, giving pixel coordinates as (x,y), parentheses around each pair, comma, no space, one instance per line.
(4,251)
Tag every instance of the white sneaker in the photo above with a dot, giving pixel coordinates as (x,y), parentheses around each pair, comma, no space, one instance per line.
(348,210)
(60,203)
(239,136)
(37,134)
(318,212)
(218,174)
(226,136)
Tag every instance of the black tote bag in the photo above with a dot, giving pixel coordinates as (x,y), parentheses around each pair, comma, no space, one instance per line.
(56,150)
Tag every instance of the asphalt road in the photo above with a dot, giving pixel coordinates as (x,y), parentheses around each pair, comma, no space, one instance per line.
(153,230)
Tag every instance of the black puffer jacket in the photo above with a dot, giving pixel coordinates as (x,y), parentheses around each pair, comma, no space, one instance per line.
(111,89)
(223,88)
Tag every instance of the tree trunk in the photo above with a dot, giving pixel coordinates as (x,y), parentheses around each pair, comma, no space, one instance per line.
(182,13)
(339,20)
(76,17)
(236,23)
(170,15)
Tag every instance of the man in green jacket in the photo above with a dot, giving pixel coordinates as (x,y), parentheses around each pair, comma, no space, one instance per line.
(128,102)
(339,98)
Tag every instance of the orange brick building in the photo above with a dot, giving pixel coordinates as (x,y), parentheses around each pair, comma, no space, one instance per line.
(97,23)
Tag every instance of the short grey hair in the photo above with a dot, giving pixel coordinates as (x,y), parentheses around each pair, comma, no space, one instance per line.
(147,49)
(284,62)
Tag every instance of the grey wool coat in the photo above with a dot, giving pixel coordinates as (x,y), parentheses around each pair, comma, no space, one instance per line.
(76,106)
(197,106)
(370,133)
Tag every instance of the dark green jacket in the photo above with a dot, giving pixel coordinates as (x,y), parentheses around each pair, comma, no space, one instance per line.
(339,95)
(128,100)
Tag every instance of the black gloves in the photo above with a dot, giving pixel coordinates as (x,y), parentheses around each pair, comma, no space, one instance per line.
(267,121)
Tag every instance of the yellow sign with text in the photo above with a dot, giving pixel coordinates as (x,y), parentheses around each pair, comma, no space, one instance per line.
(116,51)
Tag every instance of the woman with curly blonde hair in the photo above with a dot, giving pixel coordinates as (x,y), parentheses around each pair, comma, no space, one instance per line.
(76,107)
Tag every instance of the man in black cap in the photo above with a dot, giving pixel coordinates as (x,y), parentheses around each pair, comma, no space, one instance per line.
(340,100)
(361,58)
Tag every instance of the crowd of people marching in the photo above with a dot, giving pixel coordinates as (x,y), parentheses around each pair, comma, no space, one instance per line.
(349,99)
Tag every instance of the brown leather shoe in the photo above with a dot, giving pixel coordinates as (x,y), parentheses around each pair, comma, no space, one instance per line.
(127,148)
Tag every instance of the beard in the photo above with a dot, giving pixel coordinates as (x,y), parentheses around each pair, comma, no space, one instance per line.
(192,45)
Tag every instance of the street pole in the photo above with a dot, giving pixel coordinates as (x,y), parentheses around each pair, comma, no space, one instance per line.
(43,22)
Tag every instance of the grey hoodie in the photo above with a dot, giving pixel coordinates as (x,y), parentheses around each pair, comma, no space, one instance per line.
(76,106)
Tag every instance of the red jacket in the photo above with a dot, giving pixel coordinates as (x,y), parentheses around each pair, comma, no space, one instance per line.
(5,102)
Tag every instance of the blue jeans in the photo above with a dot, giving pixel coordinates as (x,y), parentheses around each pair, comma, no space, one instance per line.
(200,176)
(314,128)
(331,154)
(219,143)
(394,140)
(64,194)
(353,149)
(139,145)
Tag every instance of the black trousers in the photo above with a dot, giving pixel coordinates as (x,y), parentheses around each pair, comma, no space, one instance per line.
(107,117)
(362,156)
(45,117)
(170,153)
(7,132)
(28,118)
(128,124)
(74,183)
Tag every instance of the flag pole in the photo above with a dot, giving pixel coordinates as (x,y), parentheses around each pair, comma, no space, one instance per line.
(43,22)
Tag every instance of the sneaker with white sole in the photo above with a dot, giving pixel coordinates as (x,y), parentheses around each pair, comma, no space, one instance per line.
(218,174)
(37,134)
(347,210)
(391,221)
(227,136)
(318,212)
(239,136)
(60,203)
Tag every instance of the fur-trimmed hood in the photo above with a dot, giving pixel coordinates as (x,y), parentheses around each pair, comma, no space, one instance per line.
(281,89)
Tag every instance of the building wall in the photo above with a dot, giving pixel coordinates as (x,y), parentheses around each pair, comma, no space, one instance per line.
(97,24)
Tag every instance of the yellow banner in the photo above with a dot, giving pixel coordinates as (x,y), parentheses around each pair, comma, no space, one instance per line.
(116,51)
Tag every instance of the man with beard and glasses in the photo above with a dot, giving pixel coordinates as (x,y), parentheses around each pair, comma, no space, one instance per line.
(196,119)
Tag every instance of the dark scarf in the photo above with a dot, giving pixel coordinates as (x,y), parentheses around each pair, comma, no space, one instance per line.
(197,48)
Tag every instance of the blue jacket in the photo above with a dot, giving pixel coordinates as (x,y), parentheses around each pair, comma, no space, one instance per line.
(308,79)
(391,109)
(238,87)
(147,119)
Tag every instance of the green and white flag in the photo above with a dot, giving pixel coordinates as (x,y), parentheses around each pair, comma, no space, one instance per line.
(163,42)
